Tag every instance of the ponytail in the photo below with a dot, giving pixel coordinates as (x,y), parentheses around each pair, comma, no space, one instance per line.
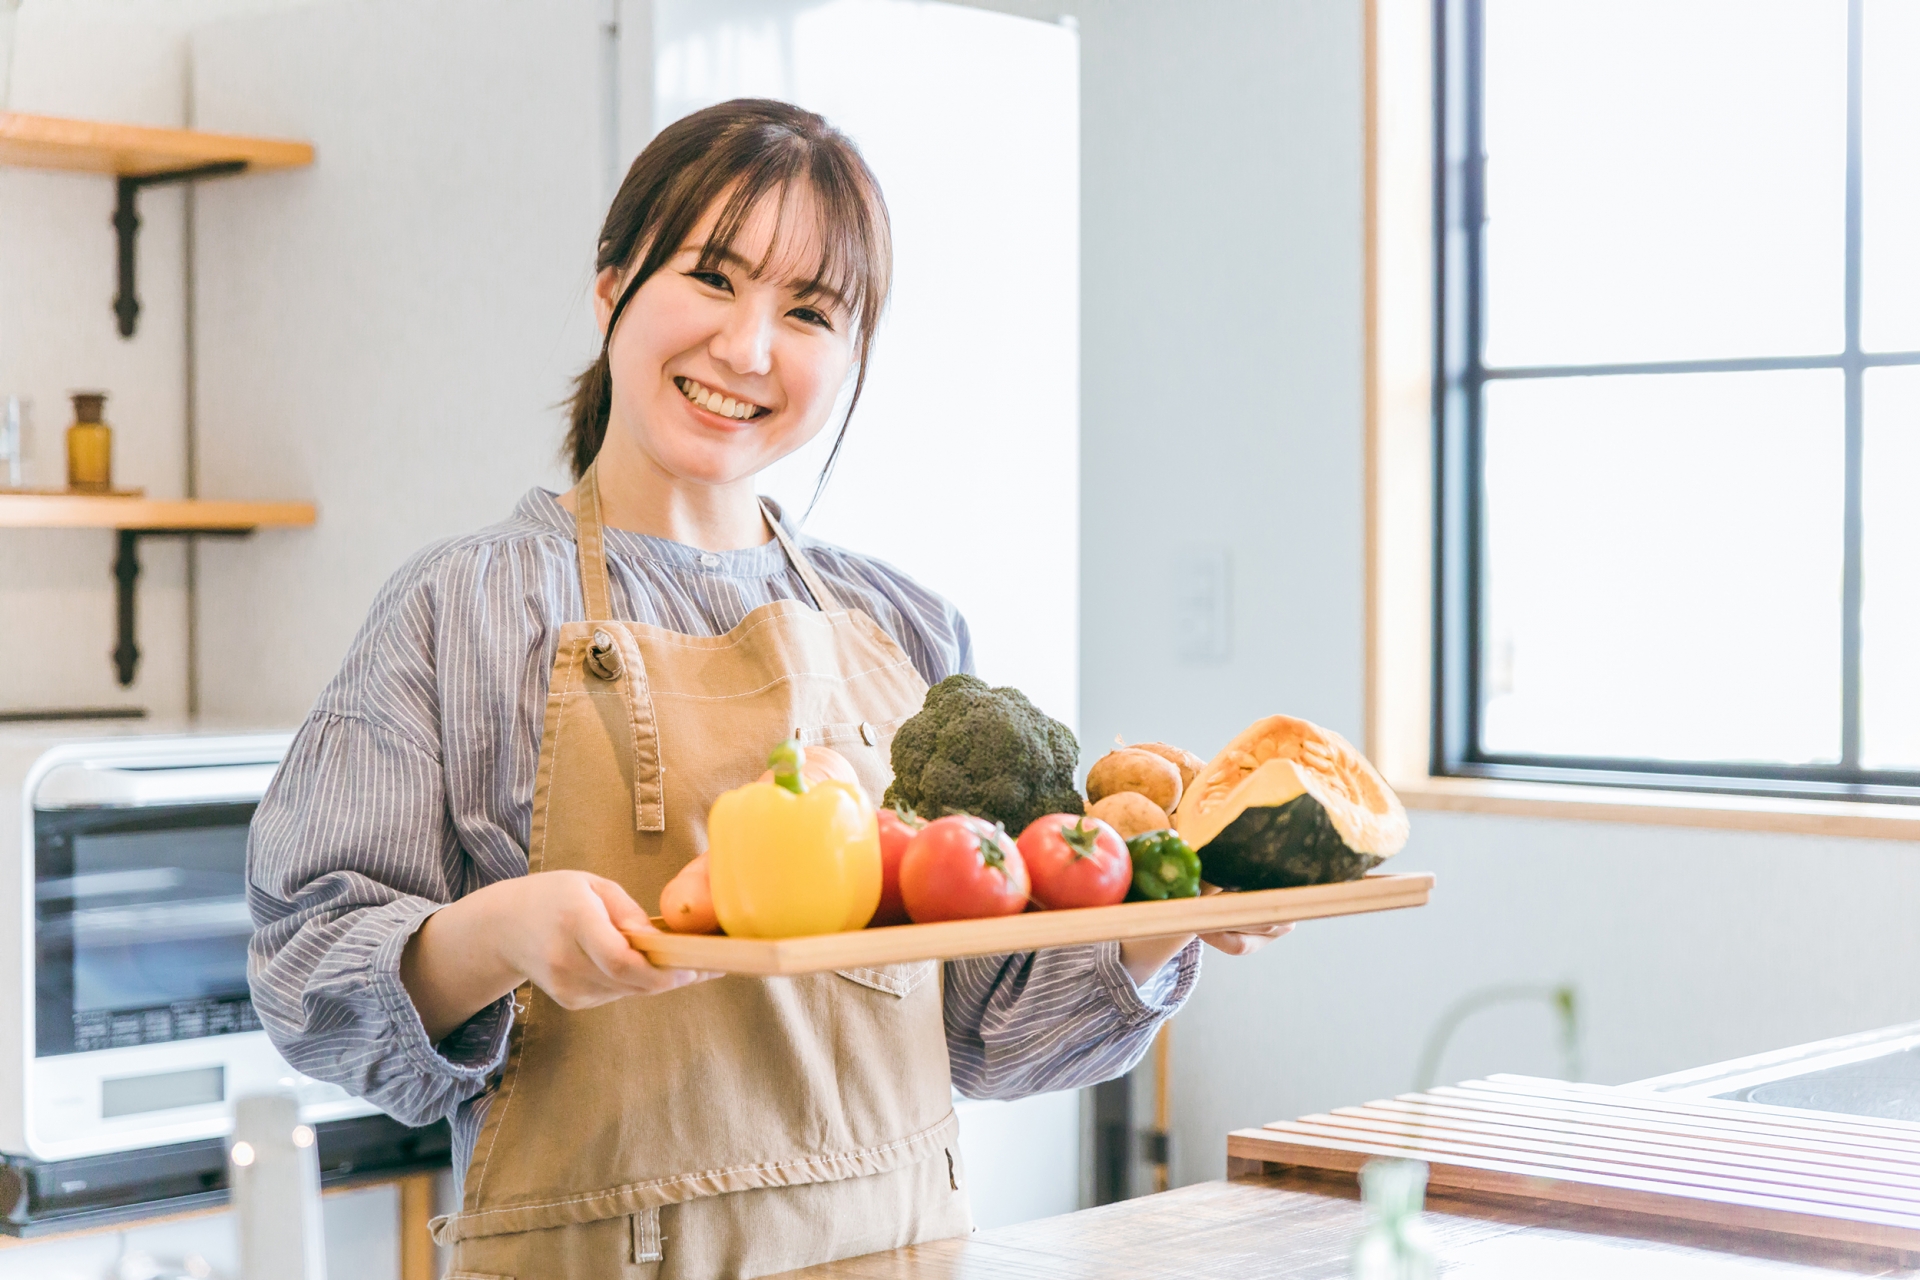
(589,408)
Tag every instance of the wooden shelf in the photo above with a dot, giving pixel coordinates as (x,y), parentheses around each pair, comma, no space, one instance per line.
(87,511)
(131,150)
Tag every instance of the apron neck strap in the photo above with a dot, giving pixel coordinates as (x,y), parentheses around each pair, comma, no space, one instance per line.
(593,552)
(823,599)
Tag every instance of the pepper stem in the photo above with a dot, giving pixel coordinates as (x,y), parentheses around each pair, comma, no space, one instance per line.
(788,762)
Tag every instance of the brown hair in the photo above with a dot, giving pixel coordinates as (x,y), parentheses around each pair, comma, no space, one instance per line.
(741,150)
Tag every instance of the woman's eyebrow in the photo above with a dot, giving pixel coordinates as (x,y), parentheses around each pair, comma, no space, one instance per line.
(814,288)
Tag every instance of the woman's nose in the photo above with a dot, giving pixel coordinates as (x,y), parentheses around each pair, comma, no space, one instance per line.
(745,343)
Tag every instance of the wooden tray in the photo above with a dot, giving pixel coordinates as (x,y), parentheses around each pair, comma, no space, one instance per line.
(1030,931)
(1732,1164)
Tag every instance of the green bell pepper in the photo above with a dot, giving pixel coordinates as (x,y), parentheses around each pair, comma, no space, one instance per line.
(1163,866)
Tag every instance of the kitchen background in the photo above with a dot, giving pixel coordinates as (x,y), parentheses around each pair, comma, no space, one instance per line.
(385,335)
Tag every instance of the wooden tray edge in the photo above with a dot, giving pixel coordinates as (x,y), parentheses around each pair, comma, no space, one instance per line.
(903,944)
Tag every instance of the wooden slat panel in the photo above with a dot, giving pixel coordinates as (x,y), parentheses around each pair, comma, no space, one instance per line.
(900,944)
(1727,1163)
(89,511)
(1704,1108)
(1756,1129)
(1707,1145)
(1681,1171)
(1598,1191)
(95,146)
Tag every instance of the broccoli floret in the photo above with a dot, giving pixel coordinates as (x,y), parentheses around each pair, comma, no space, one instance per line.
(987,752)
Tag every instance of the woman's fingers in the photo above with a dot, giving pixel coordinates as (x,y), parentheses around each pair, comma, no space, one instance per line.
(1241,942)
(618,958)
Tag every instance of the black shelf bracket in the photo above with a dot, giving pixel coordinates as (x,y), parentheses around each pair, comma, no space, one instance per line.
(126,226)
(126,574)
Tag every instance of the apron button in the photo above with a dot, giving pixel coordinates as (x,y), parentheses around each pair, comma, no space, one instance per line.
(868,734)
(602,658)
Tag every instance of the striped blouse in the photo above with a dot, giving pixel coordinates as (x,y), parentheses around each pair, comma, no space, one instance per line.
(411,784)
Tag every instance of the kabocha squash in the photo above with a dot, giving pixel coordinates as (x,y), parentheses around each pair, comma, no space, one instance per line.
(1289,803)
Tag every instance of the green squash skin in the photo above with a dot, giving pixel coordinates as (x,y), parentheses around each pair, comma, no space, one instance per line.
(1281,847)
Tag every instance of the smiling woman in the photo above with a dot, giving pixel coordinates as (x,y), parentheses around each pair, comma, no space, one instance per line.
(523,746)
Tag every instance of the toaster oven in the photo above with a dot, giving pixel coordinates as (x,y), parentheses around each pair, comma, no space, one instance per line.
(126,863)
(126,1030)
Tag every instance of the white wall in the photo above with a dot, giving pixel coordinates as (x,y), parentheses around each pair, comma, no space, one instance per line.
(1223,399)
(389,332)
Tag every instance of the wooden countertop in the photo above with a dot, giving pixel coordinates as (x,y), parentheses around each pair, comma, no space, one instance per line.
(1301,1225)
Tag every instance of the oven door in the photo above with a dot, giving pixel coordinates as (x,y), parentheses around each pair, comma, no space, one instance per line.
(143,1030)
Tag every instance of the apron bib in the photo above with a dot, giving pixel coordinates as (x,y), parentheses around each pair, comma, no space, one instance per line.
(777,1122)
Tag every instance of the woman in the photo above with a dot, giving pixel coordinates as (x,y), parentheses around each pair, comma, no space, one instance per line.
(524,740)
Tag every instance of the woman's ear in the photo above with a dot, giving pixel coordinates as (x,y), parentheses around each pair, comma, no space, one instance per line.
(606,293)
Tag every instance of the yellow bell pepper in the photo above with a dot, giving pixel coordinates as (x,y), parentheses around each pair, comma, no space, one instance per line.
(790,858)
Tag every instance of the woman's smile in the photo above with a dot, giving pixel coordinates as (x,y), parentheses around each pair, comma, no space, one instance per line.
(719,403)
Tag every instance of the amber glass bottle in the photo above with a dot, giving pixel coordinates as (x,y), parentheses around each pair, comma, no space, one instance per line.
(89,445)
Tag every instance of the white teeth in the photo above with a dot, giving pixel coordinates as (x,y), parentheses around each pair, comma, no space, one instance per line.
(714,402)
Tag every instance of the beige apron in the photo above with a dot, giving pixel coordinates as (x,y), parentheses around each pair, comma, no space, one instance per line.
(739,1126)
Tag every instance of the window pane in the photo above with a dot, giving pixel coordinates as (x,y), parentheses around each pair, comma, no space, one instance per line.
(1890,141)
(1665,179)
(1663,566)
(1890,564)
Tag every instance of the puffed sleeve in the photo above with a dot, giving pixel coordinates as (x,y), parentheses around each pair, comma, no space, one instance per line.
(352,847)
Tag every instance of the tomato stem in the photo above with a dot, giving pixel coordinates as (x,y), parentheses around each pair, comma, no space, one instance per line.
(1080,838)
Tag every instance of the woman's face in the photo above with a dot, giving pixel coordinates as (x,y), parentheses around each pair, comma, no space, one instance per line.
(719,373)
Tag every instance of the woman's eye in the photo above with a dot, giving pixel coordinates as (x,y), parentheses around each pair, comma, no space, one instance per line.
(807,315)
(713,280)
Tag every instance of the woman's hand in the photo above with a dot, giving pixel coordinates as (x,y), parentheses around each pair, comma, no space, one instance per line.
(1244,942)
(1142,957)
(560,930)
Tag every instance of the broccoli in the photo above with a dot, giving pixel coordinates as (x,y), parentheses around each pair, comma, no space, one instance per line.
(987,752)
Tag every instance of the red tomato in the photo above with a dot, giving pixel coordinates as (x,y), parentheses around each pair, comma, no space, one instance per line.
(897,831)
(1075,861)
(961,868)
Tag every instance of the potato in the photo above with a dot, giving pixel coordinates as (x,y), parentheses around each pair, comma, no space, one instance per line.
(1185,761)
(1143,772)
(1130,813)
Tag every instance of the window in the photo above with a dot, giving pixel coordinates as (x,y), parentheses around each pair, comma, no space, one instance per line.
(1678,394)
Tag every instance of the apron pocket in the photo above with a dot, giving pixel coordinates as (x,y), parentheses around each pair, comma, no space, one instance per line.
(894,979)
(646,1236)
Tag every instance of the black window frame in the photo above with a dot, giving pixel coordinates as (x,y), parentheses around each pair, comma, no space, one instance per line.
(1460,378)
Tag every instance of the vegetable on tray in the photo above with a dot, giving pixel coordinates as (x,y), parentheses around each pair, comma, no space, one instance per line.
(1288,803)
(986,752)
(789,857)
(963,868)
(898,827)
(1130,813)
(686,904)
(1075,862)
(1164,866)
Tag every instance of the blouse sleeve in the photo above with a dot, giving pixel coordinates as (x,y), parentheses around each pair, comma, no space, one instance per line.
(350,851)
(1059,1019)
